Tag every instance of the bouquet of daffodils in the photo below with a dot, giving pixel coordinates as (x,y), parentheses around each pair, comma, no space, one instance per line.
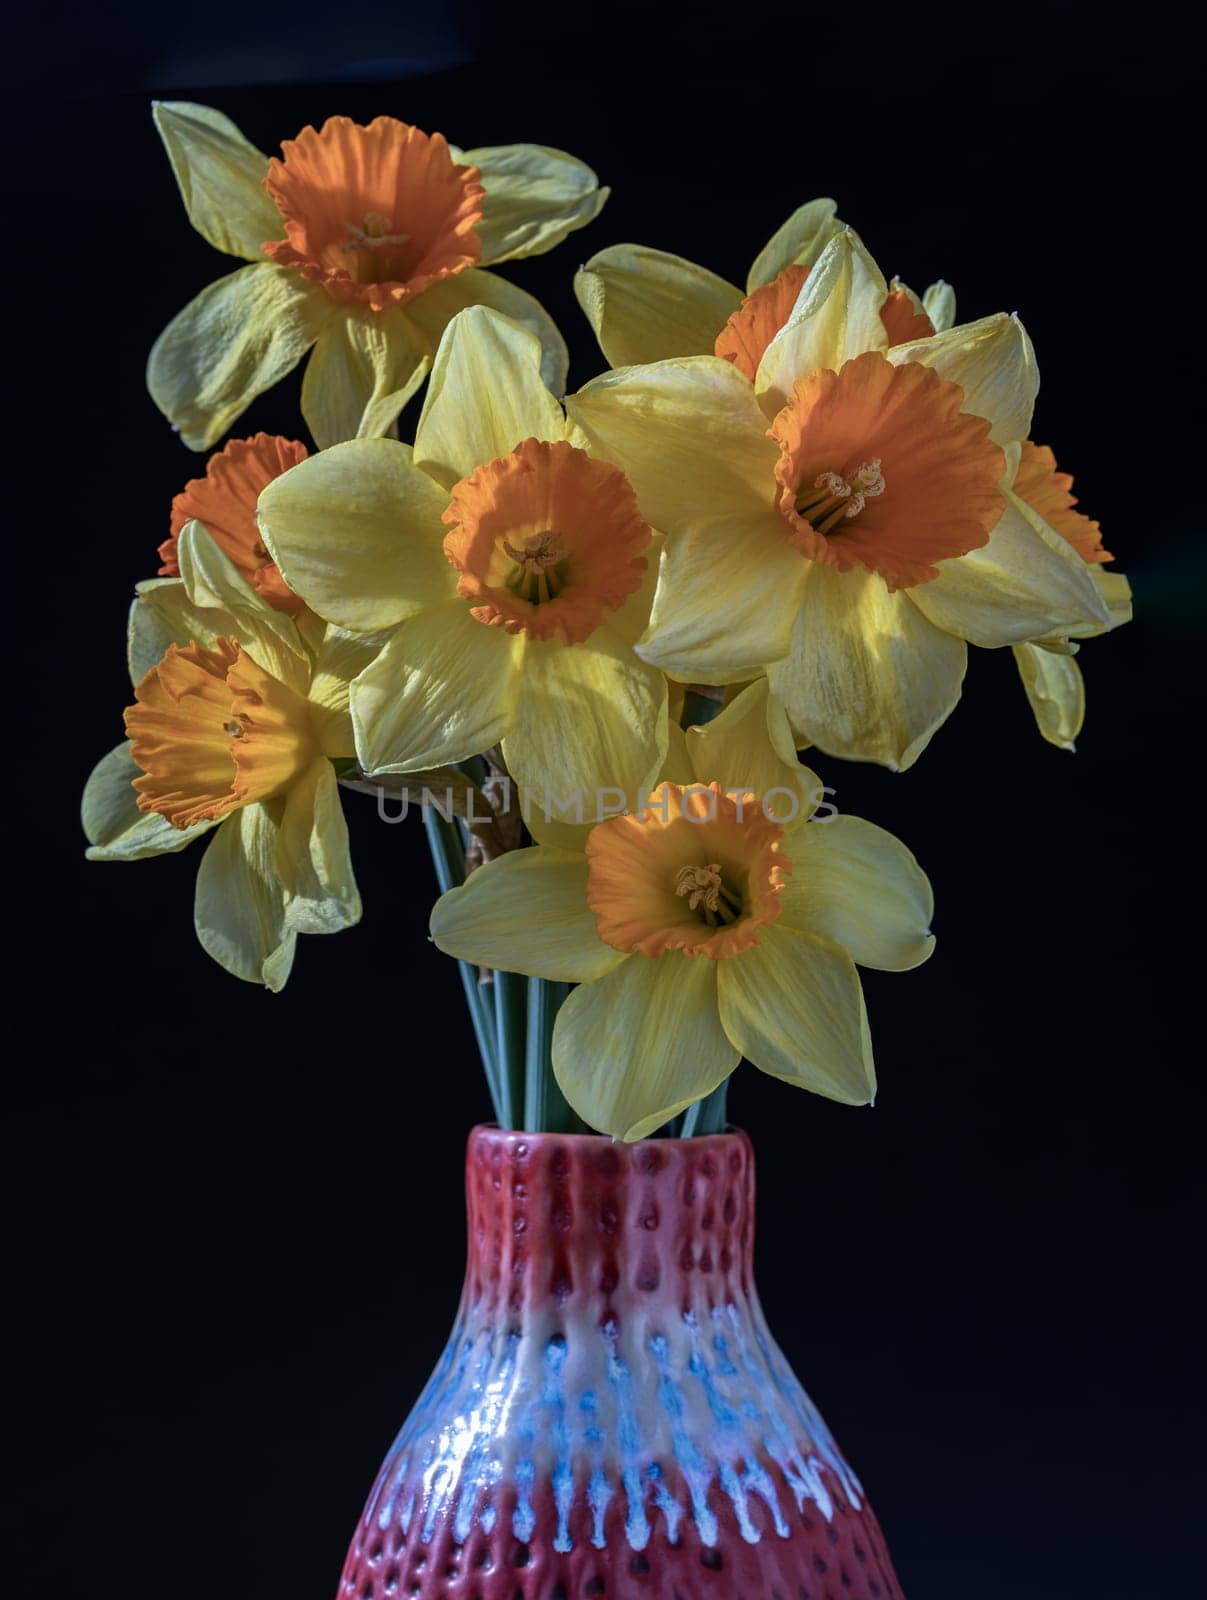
(586,635)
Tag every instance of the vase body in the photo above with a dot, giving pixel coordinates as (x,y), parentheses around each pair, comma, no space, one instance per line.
(611,1418)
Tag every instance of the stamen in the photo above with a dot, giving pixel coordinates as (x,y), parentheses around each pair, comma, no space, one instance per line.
(704,886)
(837,499)
(233,729)
(372,234)
(534,580)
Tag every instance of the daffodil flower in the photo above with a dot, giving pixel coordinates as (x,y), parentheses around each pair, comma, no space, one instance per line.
(1051,677)
(715,922)
(844,520)
(510,564)
(364,243)
(236,721)
(647,305)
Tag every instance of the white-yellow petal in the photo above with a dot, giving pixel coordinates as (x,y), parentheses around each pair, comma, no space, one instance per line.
(794,1007)
(436,307)
(115,828)
(365,366)
(221,178)
(239,336)
(860,888)
(646,305)
(176,620)
(214,587)
(642,1044)
(749,745)
(486,394)
(526,911)
(939,303)
(993,362)
(534,197)
(444,688)
(356,531)
(797,242)
(1055,691)
(311,858)
(239,903)
(868,676)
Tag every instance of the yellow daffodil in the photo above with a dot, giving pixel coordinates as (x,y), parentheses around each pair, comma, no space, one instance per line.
(840,514)
(647,305)
(512,563)
(365,242)
(238,714)
(1051,677)
(716,922)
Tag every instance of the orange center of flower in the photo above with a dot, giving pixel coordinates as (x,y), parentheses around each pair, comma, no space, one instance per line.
(745,337)
(212,731)
(224,502)
(1049,492)
(547,541)
(374,214)
(880,467)
(696,870)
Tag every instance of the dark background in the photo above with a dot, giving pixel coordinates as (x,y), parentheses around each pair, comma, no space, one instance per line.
(234,1234)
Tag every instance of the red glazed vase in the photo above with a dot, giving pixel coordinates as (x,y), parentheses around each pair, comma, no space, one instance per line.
(611,1418)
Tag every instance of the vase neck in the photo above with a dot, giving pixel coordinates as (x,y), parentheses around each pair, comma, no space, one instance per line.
(587,1226)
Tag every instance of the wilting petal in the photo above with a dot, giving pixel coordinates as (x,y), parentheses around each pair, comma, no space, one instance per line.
(688,435)
(534,197)
(646,305)
(437,306)
(749,745)
(591,717)
(312,859)
(860,888)
(239,906)
(114,826)
(356,531)
(365,367)
(794,1007)
(798,242)
(642,1044)
(236,339)
(221,178)
(729,588)
(444,688)
(1025,583)
(868,677)
(486,395)
(993,362)
(526,911)
(1055,690)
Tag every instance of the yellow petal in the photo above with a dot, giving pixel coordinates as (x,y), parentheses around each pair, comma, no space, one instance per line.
(1055,690)
(311,858)
(213,584)
(939,303)
(794,1007)
(797,242)
(436,307)
(115,828)
(365,367)
(645,305)
(534,197)
(729,588)
(1025,583)
(176,620)
(341,657)
(749,745)
(688,435)
(640,1045)
(526,911)
(239,905)
(591,718)
(836,317)
(868,677)
(221,178)
(356,531)
(860,888)
(486,394)
(443,689)
(993,362)
(236,339)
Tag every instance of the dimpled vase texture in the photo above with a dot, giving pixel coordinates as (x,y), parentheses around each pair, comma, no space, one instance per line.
(611,1418)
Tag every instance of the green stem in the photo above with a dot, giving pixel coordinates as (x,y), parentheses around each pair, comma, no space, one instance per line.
(511,1007)
(707,1115)
(546,1109)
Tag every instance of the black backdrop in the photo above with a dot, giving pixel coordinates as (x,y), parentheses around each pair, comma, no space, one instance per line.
(234,1235)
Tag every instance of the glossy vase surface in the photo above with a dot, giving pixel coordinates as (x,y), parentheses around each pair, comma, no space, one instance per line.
(611,1418)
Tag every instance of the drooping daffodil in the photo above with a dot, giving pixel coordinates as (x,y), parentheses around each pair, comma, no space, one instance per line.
(511,566)
(236,722)
(648,305)
(714,922)
(364,243)
(1050,675)
(844,520)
